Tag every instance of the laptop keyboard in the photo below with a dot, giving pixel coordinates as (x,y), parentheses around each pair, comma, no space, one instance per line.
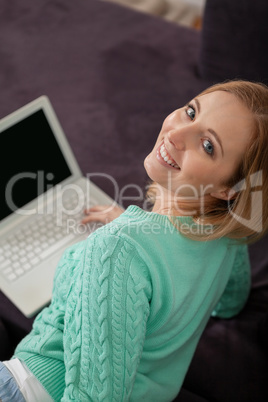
(38,240)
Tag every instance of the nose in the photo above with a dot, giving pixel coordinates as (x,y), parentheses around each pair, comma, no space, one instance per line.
(176,140)
(181,137)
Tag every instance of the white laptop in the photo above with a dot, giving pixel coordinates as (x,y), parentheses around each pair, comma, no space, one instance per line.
(42,198)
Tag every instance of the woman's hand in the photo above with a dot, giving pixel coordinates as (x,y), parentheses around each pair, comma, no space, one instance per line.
(102,213)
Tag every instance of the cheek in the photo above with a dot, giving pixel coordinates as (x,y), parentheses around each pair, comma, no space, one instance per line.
(169,121)
(196,167)
(158,141)
(200,172)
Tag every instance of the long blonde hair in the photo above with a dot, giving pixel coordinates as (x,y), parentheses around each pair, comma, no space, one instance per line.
(245,216)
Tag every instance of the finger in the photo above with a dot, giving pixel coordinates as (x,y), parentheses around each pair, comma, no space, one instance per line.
(98,208)
(93,218)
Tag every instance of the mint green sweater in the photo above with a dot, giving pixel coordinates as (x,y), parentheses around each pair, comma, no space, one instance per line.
(129,306)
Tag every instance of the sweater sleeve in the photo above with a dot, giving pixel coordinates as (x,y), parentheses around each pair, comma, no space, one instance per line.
(237,289)
(107,312)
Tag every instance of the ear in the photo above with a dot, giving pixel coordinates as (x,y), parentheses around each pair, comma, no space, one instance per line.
(227,194)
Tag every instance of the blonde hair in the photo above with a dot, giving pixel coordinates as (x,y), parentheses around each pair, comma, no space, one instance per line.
(245,216)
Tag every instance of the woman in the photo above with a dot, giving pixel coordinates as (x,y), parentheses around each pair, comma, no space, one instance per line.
(131,302)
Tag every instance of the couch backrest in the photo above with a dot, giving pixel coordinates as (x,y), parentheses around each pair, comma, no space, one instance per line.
(235,40)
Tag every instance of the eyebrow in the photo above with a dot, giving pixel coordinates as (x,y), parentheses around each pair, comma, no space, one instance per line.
(215,135)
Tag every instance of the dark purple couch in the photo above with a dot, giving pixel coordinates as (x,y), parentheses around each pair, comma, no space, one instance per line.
(112,75)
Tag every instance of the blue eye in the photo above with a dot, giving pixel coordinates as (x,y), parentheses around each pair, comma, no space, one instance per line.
(208,147)
(190,111)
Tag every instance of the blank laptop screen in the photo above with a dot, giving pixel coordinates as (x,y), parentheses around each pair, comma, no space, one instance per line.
(31,163)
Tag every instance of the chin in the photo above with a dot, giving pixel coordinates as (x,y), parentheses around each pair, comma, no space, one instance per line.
(147,165)
(151,171)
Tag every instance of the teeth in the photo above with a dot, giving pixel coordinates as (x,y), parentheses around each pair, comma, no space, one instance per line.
(166,157)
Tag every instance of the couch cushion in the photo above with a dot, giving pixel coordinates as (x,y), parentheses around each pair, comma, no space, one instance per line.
(5,346)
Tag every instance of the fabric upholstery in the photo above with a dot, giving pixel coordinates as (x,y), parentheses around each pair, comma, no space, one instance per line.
(234,40)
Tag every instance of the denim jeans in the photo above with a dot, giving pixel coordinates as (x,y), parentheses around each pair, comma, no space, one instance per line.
(9,390)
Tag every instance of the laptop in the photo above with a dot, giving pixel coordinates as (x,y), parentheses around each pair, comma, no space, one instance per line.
(42,198)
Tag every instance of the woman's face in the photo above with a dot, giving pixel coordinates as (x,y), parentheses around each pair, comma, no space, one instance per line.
(200,146)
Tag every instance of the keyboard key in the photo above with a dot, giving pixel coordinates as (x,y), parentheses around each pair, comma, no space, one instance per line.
(5,263)
(19,271)
(27,266)
(35,260)
(11,277)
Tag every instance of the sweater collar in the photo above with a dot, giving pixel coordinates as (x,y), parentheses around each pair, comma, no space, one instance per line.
(164,220)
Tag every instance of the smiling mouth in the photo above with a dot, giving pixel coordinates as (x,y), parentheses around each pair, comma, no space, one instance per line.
(163,154)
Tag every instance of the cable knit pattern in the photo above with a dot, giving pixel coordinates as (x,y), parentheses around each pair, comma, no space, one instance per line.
(128,307)
(73,320)
(239,284)
(114,299)
(45,339)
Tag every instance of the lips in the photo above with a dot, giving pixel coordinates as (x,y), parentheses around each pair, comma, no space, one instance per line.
(164,156)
